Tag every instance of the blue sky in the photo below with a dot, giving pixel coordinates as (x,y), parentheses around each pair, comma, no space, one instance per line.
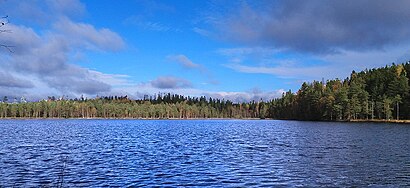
(237,50)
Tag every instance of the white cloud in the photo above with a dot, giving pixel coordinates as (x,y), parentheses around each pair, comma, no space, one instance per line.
(66,7)
(170,82)
(202,32)
(88,35)
(185,62)
(246,96)
(39,64)
(244,51)
(141,89)
(42,12)
(346,61)
(149,25)
(316,72)
(259,60)
(111,79)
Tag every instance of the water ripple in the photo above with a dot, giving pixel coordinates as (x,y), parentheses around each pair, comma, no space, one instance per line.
(226,153)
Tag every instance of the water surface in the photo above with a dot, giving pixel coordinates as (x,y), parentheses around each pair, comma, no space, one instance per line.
(214,153)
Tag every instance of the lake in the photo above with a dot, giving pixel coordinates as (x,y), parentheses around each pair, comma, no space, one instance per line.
(214,153)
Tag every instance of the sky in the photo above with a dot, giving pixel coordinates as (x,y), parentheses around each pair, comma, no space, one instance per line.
(236,50)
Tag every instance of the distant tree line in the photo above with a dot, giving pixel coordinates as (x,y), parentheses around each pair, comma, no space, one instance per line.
(162,106)
(381,93)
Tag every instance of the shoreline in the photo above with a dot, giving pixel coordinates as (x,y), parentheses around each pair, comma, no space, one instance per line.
(98,118)
(380,121)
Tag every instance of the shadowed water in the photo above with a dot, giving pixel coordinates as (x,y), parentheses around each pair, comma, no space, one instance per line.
(214,153)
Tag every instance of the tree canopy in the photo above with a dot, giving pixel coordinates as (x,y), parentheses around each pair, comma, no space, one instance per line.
(380,93)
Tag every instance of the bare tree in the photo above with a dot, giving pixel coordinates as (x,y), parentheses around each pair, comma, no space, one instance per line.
(3,23)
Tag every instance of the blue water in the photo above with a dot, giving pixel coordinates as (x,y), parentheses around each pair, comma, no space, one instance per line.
(214,153)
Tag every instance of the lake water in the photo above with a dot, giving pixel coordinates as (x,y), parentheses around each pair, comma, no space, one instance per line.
(214,153)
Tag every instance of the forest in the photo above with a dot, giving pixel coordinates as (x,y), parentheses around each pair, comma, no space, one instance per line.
(379,93)
(162,106)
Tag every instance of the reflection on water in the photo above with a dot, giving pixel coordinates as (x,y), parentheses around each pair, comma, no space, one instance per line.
(202,153)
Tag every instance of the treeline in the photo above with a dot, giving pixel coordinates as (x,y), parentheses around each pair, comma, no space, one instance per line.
(162,106)
(381,93)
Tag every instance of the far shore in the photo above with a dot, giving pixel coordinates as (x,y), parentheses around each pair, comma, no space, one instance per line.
(380,120)
(99,118)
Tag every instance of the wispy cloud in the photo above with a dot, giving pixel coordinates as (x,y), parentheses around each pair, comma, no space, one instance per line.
(258,55)
(170,82)
(346,61)
(42,12)
(115,80)
(144,24)
(286,71)
(187,63)
(88,35)
(203,32)
(263,60)
(245,51)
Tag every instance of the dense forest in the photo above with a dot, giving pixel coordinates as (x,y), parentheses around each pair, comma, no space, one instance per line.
(381,93)
(166,106)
